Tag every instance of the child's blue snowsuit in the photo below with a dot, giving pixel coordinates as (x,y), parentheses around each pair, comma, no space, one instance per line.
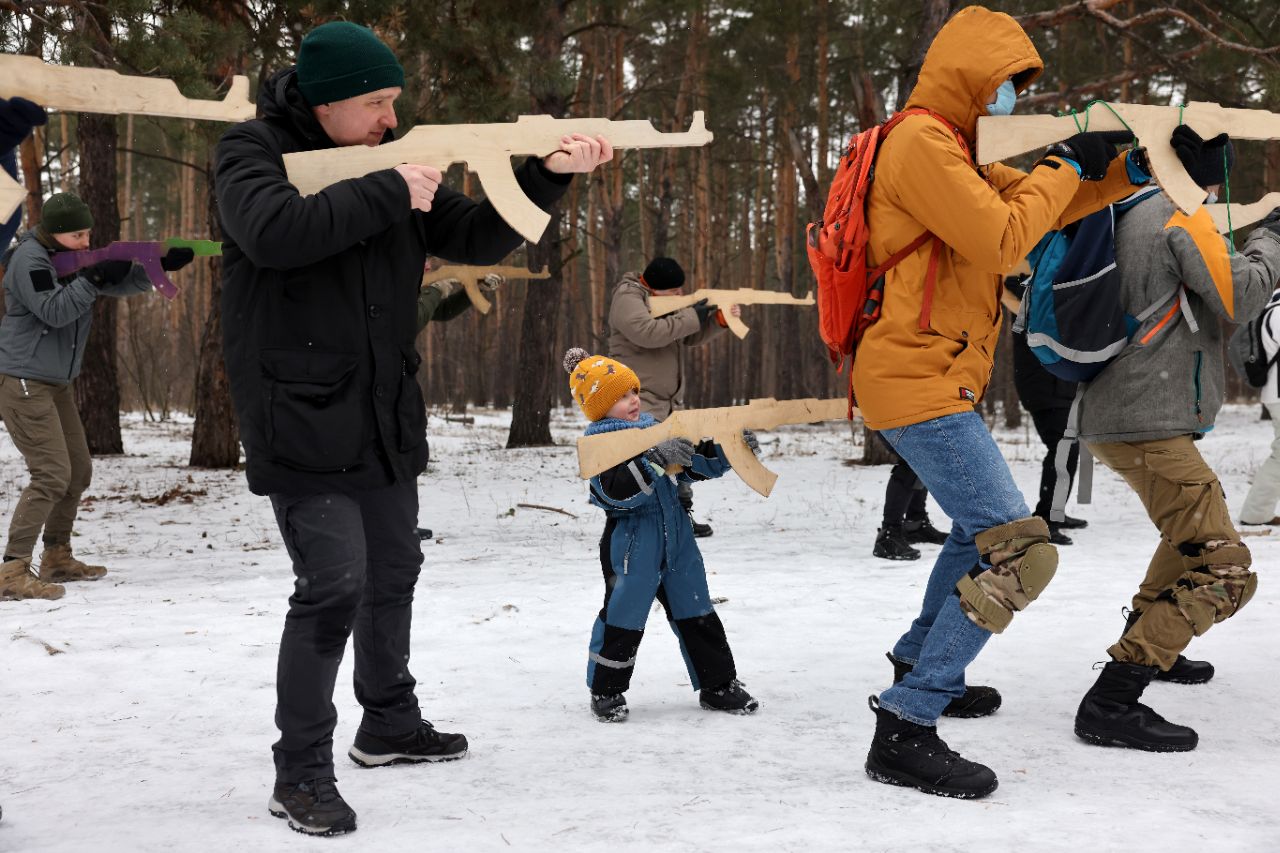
(648,551)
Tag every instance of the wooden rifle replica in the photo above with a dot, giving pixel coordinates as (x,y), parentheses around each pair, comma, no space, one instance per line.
(144,253)
(722,299)
(1002,137)
(472,276)
(600,452)
(487,150)
(101,90)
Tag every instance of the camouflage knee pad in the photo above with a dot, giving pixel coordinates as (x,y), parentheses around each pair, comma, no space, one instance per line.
(1216,584)
(1022,564)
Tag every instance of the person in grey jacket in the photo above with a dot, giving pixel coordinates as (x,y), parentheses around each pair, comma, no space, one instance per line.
(42,339)
(1140,417)
(653,346)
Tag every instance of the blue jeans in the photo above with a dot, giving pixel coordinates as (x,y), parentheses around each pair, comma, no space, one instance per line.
(958,461)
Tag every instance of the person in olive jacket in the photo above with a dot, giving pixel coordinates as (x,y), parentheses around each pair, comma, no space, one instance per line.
(319,317)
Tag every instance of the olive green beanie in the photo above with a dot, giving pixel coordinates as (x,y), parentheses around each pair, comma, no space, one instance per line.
(65,212)
(341,60)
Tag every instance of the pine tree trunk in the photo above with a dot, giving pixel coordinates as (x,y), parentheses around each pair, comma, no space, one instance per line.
(98,387)
(215,441)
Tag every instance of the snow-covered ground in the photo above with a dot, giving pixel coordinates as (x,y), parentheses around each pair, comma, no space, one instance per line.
(136,713)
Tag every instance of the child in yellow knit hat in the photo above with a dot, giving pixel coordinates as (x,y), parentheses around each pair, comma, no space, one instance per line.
(648,550)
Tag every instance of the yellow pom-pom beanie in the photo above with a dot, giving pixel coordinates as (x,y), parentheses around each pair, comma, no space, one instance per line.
(597,382)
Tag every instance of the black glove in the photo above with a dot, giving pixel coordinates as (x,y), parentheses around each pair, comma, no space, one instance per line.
(704,310)
(107,273)
(176,259)
(752,442)
(1092,151)
(1206,161)
(673,451)
(1271,221)
(17,117)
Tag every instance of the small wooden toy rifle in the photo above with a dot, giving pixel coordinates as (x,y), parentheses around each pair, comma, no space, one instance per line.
(487,150)
(722,299)
(146,254)
(472,276)
(1001,137)
(101,90)
(597,453)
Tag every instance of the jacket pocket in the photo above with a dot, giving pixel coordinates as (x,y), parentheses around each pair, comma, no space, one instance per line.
(411,411)
(315,419)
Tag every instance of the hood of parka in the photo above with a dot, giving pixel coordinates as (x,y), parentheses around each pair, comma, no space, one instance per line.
(974,53)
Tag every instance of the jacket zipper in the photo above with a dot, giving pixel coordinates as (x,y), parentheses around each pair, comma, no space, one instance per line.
(1199,359)
(626,555)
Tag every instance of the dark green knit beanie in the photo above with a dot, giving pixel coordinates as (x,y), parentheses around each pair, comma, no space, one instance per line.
(64,213)
(341,60)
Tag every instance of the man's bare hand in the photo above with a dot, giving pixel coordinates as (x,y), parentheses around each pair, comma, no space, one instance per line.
(578,154)
(491,282)
(422,182)
(735,310)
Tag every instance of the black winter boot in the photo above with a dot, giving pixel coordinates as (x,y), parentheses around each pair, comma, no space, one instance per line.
(609,707)
(891,544)
(1111,715)
(1184,670)
(730,697)
(913,756)
(1056,536)
(1069,523)
(977,701)
(700,530)
(313,807)
(921,531)
(422,744)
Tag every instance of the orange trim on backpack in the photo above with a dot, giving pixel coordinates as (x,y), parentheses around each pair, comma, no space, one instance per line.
(1164,321)
(930,278)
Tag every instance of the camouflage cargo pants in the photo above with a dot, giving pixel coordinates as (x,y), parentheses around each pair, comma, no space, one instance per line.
(1199,574)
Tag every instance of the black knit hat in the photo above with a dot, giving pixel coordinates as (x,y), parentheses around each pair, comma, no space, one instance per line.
(663,274)
(63,213)
(341,60)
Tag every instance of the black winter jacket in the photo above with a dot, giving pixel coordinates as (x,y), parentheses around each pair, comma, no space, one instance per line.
(319,302)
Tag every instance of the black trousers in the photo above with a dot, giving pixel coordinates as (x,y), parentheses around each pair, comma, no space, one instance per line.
(356,560)
(1051,424)
(905,497)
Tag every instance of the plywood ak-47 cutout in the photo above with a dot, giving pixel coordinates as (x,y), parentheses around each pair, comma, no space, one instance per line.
(101,90)
(604,450)
(487,150)
(1001,137)
(471,276)
(722,299)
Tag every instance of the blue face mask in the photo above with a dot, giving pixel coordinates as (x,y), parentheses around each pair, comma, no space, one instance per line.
(1006,96)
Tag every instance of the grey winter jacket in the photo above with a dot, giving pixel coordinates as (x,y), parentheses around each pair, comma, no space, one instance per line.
(1169,380)
(46,321)
(651,346)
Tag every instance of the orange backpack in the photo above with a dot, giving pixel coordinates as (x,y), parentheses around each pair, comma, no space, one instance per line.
(850,294)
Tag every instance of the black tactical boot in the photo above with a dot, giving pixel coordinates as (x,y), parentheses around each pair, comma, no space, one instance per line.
(313,807)
(977,701)
(609,707)
(911,755)
(730,697)
(1111,715)
(422,744)
(1069,523)
(921,531)
(700,530)
(891,544)
(1056,536)
(424,533)
(1184,670)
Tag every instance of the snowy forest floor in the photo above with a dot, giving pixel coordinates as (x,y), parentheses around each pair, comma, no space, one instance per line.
(137,711)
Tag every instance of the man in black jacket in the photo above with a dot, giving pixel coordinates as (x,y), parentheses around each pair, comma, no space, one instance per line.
(319,317)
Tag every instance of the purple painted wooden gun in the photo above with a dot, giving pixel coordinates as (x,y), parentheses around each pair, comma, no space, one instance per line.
(148,254)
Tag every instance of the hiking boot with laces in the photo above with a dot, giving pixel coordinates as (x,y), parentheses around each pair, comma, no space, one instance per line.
(891,544)
(920,531)
(18,583)
(422,744)
(977,701)
(730,697)
(609,707)
(313,807)
(913,756)
(57,565)
(1184,669)
(1111,715)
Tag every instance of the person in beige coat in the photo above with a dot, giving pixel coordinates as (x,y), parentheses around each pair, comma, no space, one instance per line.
(652,346)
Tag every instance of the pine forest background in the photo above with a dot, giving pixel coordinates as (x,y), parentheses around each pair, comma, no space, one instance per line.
(783,85)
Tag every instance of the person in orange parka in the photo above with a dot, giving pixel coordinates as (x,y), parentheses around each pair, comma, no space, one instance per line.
(924,365)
